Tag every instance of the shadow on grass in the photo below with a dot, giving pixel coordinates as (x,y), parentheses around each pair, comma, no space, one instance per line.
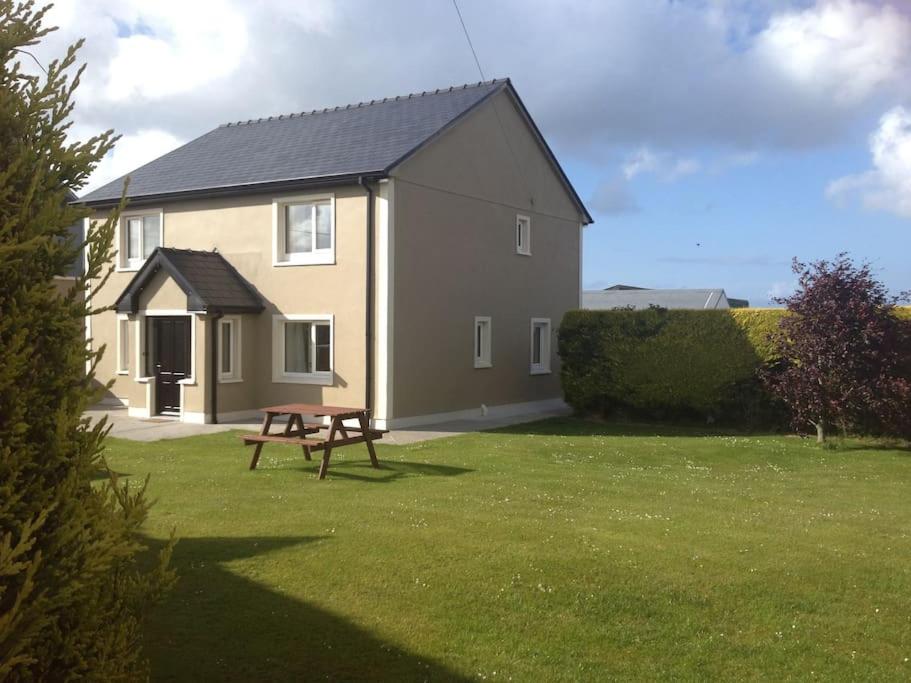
(577,426)
(102,475)
(388,472)
(872,445)
(218,626)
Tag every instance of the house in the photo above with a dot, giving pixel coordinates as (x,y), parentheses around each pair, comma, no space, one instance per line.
(637,298)
(66,280)
(412,254)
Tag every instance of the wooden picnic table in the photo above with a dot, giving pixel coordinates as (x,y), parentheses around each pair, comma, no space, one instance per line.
(300,433)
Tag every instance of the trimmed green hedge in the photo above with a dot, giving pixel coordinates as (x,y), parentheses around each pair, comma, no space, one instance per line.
(661,363)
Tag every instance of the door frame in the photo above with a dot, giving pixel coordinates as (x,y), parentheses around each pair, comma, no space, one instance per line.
(145,357)
(178,350)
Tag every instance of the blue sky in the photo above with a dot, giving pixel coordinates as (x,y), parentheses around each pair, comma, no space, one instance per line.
(713,140)
(740,228)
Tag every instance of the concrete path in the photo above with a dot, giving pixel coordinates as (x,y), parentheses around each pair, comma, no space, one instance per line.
(157,428)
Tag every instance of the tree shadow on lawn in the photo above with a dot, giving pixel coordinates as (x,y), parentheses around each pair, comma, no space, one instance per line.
(884,445)
(218,626)
(389,471)
(101,474)
(580,426)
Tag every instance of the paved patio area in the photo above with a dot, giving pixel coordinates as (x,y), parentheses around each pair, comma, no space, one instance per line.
(156,428)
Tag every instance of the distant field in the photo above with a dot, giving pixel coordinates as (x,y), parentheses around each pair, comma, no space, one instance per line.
(562,550)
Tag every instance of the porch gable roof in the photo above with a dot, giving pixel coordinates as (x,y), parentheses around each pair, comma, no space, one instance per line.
(211,283)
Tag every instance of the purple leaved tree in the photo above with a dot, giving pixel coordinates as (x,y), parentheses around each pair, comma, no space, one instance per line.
(844,354)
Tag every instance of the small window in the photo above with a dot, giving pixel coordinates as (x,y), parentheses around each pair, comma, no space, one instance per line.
(139,237)
(229,350)
(123,345)
(303,350)
(523,235)
(540,346)
(305,231)
(482,333)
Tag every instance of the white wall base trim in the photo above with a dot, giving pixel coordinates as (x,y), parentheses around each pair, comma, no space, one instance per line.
(194,418)
(478,414)
(138,412)
(237,415)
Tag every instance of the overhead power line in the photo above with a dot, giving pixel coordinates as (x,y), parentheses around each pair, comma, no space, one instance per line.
(519,170)
(468,38)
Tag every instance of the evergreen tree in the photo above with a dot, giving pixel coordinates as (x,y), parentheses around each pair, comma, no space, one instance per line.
(72,595)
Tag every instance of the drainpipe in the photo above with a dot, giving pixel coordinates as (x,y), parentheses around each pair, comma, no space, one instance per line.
(214,365)
(368,323)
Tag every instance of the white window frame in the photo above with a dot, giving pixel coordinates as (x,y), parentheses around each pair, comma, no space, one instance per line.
(123,263)
(235,373)
(123,345)
(280,257)
(279,376)
(542,368)
(523,235)
(483,341)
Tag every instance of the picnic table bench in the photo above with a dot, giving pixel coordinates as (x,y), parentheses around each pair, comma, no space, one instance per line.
(299,432)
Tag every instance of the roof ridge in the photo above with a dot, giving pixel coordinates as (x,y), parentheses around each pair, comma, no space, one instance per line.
(360,105)
(207,252)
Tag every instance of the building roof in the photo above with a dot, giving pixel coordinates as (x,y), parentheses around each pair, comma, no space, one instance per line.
(212,285)
(637,299)
(323,146)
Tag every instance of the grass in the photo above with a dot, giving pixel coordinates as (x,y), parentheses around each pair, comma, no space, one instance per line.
(563,550)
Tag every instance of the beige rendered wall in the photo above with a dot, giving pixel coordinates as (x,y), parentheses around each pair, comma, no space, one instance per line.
(162,293)
(455,258)
(63,284)
(241,229)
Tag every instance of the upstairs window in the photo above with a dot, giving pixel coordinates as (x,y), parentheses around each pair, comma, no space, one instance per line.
(540,346)
(523,235)
(304,230)
(482,339)
(139,235)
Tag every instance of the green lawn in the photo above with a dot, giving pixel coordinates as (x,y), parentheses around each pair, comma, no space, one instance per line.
(563,550)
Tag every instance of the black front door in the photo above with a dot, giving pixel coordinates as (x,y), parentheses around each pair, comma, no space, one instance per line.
(170,360)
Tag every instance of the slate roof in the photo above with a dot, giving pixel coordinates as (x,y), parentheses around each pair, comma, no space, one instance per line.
(336,144)
(342,141)
(638,299)
(212,285)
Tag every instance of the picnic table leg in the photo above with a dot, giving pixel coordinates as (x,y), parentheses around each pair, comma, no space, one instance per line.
(365,430)
(324,466)
(299,420)
(267,424)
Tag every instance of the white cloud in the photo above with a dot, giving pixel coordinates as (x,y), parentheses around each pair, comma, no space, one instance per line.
(663,165)
(780,290)
(844,49)
(733,75)
(174,46)
(887,186)
(131,152)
